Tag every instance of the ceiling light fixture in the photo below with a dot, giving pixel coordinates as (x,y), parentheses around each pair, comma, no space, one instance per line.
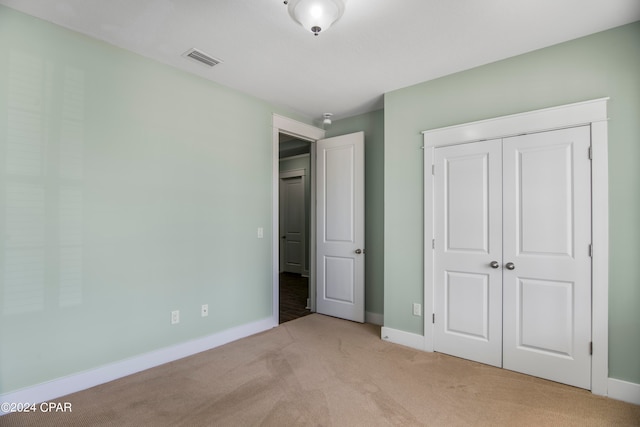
(315,15)
(327,119)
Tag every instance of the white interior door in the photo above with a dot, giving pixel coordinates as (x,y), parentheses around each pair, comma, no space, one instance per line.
(468,221)
(292,228)
(512,253)
(340,226)
(547,237)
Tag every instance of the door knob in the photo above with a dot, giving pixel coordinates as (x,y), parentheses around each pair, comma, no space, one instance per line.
(358,251)
(510,266)
(494,264)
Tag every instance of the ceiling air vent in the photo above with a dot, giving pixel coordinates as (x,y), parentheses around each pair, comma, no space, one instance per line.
(201,57)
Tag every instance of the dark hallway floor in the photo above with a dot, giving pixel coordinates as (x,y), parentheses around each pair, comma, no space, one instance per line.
(294,291)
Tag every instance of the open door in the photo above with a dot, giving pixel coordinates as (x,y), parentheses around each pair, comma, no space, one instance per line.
(340,226)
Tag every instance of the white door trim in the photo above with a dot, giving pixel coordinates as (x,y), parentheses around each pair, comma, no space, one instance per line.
(307,132)
(593,113)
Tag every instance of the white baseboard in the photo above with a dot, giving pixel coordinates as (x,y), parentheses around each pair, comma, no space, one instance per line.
(623,390)
(407,339)
(374,318)
(93,377)
(617,389)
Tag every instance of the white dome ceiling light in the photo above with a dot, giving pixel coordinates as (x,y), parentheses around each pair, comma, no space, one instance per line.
(315,15)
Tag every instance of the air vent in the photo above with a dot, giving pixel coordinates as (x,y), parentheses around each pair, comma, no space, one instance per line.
(201,57)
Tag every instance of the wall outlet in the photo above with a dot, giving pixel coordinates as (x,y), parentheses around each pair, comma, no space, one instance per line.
(417,309)
(204,311)
(260,232)
(175,317)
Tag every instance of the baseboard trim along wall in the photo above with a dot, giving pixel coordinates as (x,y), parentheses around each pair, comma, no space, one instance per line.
(407,339)
(93,377)
(623,390)
(616,389)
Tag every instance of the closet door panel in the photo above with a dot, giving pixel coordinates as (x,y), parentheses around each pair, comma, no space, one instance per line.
(547,274)
(468,216)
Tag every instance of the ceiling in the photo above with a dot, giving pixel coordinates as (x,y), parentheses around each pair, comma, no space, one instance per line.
(378,45)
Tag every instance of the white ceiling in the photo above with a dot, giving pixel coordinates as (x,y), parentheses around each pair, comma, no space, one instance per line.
(377,46)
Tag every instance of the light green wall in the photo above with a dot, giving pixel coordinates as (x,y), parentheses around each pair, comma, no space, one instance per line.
(128,189)
(600,65)
(373,126)
(302,162)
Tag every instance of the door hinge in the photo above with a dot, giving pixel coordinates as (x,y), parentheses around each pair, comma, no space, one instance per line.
(433,243)
(590,250)
(590,153)
(433,169)
(433,318)
(591,348)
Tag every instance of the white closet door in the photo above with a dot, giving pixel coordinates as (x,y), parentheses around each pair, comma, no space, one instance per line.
(547,233)
(468,223)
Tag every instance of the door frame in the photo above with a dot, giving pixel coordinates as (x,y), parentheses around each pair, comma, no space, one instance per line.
(309,133)
(592,113)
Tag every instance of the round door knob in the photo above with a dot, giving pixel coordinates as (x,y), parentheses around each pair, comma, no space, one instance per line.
(494,264)
(358,251)
(510,266)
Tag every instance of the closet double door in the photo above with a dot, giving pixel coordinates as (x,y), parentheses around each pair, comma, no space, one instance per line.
(512,253)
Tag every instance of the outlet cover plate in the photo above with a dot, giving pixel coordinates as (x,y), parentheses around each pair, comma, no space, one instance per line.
(417,309)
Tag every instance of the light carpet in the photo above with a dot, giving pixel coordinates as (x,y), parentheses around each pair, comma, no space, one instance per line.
(323,371)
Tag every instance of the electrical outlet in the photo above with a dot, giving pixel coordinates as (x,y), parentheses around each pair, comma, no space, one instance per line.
(175,317)
(417,309)
(204,311)
(260,232)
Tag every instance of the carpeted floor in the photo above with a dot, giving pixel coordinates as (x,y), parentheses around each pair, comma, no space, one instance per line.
(322,371)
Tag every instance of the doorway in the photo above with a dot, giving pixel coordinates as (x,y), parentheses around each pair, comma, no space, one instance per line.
(301,131)
(336,261)
(294,157)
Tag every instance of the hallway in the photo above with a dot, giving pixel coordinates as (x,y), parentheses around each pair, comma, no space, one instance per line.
(294,291)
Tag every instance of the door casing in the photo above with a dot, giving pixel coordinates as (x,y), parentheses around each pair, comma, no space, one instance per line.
(305,132)
(592,113)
